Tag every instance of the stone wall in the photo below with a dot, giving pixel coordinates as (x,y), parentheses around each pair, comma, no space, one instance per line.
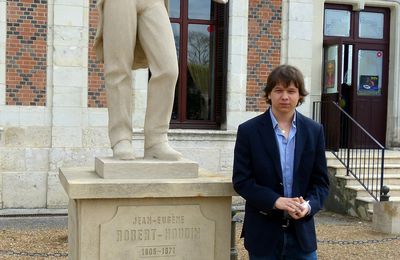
(29,165)
(264,49)
(23,166)
(26,53)
(343,200)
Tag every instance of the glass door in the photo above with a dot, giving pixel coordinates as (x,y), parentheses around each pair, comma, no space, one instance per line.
(356,69)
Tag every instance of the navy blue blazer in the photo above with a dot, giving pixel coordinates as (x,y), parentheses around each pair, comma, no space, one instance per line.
(257,177)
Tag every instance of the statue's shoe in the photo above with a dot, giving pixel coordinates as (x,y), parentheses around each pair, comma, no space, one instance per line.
(162,151)
(123,150)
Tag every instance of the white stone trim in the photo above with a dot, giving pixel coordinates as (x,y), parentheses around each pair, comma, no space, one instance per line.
(297,42)
(393,112)
(50,41)
(139,98)
(68,79)
(212,149)
(237,65)
(97,117)
(24,116)
(30,212)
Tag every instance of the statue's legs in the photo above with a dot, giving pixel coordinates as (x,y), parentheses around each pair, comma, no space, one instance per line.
(156,37)
(120,29)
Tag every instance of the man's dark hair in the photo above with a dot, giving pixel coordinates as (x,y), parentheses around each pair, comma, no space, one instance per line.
(284,75)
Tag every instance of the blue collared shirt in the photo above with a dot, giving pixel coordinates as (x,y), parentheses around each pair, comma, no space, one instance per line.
(286,153)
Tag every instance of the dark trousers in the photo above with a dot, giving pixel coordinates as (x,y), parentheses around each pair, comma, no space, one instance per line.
(288,249)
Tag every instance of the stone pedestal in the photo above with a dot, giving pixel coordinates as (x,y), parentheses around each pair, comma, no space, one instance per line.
(386,217)
(109,168)
(159,218)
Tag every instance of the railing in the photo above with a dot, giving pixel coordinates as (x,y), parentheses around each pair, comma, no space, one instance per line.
(361,154)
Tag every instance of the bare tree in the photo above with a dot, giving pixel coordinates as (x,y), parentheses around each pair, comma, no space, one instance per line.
(199,48)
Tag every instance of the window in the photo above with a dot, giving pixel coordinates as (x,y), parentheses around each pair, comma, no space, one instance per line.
(337,22)
(200,30)
(371,25)
(331,69)
(370,64)
(363,34)
(368,25)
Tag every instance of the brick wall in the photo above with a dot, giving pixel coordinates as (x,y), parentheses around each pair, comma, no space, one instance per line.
(263,48)
(26,52)
(96,86)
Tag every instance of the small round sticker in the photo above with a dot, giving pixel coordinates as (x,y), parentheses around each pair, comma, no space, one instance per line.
(379,54)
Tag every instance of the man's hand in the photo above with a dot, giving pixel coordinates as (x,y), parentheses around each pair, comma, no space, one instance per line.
(291,205)
(304,208)
(221,1)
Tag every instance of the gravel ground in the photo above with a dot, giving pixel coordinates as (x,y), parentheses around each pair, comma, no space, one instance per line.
(340,237)
(343,237)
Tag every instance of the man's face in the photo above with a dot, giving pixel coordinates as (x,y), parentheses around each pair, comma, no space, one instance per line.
(284,99)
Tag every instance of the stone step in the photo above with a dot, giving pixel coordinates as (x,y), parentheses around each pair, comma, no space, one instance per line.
(390,157)
(375,169)
(370,202)
(350,196)
(389,179)
(361,192)
(337,163)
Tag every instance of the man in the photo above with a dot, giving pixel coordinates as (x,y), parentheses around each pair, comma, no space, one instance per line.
(135,34)
(280,170)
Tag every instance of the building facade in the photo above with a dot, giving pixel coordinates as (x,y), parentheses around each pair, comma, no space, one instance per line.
(53,110)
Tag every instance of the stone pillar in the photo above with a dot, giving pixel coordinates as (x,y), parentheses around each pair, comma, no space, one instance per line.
(237,64)
(70,30)
(297,34)
(386,217)
(68,95)
(393,117)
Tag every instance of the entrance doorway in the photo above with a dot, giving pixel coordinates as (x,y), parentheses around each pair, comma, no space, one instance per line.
(356,48)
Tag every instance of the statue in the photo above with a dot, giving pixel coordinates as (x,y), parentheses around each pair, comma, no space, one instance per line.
(136,34)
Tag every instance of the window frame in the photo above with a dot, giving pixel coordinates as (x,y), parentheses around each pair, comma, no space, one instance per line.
(354,25)
(220,23)
(354,100)
(353,38)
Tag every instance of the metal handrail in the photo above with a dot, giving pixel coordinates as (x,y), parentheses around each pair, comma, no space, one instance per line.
(359,152)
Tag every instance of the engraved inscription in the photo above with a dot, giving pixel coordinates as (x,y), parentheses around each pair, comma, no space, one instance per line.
(191,233)
(152,220)
(154,251)
(147,232)
(136,234)
(182,233)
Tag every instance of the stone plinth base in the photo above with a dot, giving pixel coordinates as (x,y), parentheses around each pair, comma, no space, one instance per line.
(115,219)
(386,217)
(110,168)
